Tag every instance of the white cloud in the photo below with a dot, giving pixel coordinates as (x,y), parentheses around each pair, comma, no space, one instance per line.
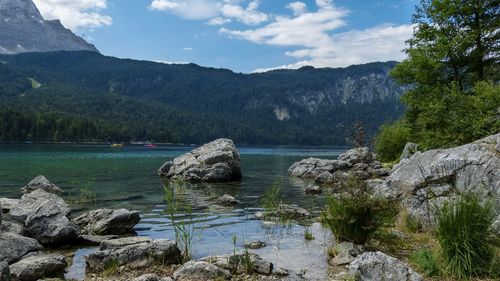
(313,35)
(187,49)
(74,14)
(217,12)
(298,8)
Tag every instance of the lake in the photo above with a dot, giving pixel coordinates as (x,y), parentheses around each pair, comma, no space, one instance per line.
(126,178)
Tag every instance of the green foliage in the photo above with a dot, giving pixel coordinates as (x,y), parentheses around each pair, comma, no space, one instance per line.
(451,73)
(391,140)
(272,198)
(464,235)
(308,236)
(110,268)
(426,261)
(355,217)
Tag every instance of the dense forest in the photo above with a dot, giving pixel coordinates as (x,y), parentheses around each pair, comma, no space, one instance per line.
(85,96)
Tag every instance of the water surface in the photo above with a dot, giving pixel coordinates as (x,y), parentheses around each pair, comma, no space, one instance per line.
(126,177)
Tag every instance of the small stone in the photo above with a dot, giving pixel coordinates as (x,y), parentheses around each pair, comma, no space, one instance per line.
(280,271)
(313,189)
(254,245)
(227,200)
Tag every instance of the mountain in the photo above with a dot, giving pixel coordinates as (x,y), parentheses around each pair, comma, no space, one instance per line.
(23,29)
(190,103)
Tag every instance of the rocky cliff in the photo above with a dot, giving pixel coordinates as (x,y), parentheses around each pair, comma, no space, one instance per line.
(23,29)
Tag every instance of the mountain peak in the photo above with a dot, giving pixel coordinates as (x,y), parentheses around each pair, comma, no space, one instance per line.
(23,29)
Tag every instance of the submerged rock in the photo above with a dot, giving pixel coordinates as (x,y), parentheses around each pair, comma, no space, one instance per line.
(428,179)
(227,200)
(45,217)
(284,211)
(377,266)
(14,246)
(217,161)
(134,252)
(40,182)
(254,245)
(39,267)
(313,189)
(200,270)
(107,221)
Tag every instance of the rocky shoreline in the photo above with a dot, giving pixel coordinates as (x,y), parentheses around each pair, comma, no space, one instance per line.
(36,226)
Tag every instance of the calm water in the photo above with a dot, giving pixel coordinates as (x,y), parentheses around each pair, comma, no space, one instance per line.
(126,177)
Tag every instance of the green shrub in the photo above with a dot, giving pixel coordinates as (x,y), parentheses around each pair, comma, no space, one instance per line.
(464,233)
(391,140)
(355,217)
(427,262)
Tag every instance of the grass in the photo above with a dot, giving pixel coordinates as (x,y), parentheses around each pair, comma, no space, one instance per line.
(86,195)
(272,200)
(110,268)
(427,262)
(185,230)
(308,236)
(464,234)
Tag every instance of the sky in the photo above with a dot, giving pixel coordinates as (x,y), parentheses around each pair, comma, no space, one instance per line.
(241,35)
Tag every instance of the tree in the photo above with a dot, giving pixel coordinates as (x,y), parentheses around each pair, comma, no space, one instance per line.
(452,65)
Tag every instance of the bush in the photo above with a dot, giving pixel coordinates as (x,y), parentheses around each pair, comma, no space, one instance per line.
(464,234)
(355,217)
(391,140)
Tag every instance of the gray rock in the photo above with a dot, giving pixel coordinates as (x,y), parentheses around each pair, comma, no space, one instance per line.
(217,161)
(6,204)
(40,182)
(357,155)
(346,253)
(107,221)
(4,271)
(254,245)
(236,263)
(313,189)
(312,167)
(280,271)
(13,227)
(134,252)
(26,31)
(38,267)
(374,266)
(227,200)
(428,179)
(95,239)
(14,246)
(410,149)
(45,217)
(325,178)
(201,270)
(284,210)
(152,277)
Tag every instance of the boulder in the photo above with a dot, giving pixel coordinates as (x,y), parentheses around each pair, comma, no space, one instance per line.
(217,161)
(240,261)
(14,246)
(357,155)
(410,149)
(40,182)
(284,211)
(10,226)
(39,267)
(312,167)
(45,217)
(6,204)
(152,277)
(107,221)
(313,189)
(346,253)
(4,271)
(375,266)
(428,179)
(200,270)
(227,200)
(134,252)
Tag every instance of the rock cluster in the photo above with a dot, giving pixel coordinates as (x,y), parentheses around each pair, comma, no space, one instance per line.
(217,161)
(426,180)
(358,163)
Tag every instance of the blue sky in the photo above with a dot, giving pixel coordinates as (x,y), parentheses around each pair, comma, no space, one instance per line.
(242,35)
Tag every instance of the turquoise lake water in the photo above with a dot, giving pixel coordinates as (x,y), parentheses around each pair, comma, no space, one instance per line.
(126,178)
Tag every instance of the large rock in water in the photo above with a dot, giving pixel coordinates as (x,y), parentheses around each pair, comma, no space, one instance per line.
(107,221)
(134,252)
(39,267)
(427,180)
(14,246)
(377,266)
(40,182)
(45,217)
(217,161)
